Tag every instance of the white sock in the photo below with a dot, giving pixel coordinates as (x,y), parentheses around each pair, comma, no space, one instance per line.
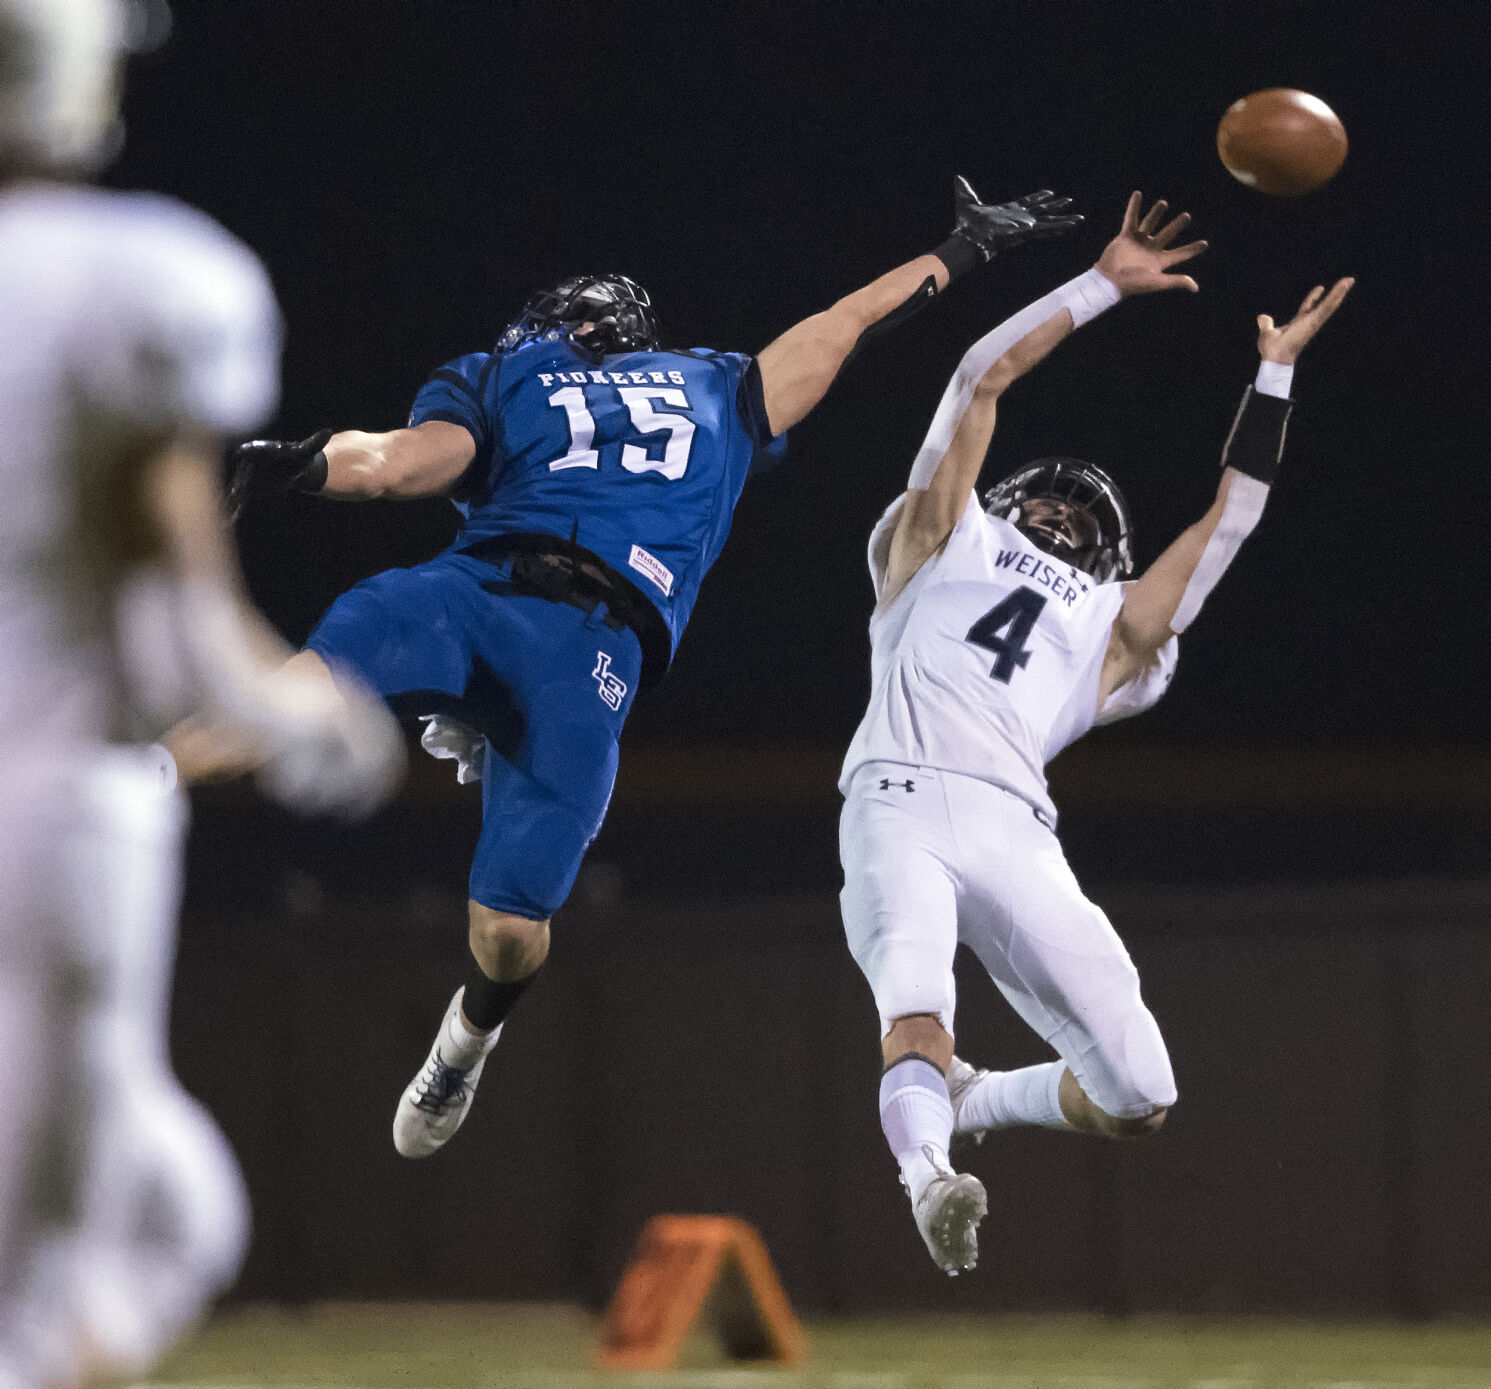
(917,1118)
(459,1045)
(1003,1099)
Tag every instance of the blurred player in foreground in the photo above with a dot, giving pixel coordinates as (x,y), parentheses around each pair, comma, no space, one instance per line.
(596,473)
(1001,634)
(133,332)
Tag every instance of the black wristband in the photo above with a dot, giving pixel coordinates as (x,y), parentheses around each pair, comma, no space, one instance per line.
(312,478)
(960,256)
(1256,443)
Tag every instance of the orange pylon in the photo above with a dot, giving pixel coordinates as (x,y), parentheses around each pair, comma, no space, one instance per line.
(680,1260)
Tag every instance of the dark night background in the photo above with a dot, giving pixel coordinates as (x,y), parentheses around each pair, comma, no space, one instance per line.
(410,169)
(1294,843)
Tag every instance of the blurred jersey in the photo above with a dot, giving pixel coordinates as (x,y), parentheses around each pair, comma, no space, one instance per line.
(639,457)
(122,318)
(987,662)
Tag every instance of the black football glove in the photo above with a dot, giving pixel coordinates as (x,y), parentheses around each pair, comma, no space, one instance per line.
(266,467)
(989,228)
(983,229)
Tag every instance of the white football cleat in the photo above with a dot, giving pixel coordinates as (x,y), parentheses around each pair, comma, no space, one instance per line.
(961,1080)
(948,1212)
(438,1098)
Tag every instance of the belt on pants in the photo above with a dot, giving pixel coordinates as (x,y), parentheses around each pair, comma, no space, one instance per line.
(561,576)
(560,571)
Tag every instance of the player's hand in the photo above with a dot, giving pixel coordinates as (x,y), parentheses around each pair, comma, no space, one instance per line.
(1140,258)
(265,467)
(346,758)
(1286,343)
(994,227)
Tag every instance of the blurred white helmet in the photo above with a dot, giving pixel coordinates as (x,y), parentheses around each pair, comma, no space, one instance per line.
(59,81)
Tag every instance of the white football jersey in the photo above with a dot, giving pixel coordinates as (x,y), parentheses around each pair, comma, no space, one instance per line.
(118,312)
(987,663)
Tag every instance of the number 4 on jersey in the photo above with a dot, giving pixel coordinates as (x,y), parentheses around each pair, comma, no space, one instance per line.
(1018,611)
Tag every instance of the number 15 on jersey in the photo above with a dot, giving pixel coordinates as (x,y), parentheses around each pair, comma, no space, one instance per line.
(643,418)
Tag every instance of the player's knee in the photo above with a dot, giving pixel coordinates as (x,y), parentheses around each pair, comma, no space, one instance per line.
(1122,1127)
(1137,1126)
(1136,1095)
(918,1034)
(910,977)
(507,946)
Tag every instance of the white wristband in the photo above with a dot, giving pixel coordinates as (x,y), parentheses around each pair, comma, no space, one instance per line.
(1088,295)
(1274,378)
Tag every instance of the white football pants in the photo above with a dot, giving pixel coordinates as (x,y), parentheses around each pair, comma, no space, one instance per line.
(932,858)
(122,1211)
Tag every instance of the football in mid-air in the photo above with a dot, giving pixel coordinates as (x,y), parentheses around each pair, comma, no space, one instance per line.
(1281,141)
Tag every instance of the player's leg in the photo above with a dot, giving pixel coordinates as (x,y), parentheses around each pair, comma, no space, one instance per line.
(165,1213)
(29,1056)
(398,634)
(900,916)
(1056,958)
(506,952)
(206,750)
(163,1229)
(552,726)
(40,1080)
(159,1221)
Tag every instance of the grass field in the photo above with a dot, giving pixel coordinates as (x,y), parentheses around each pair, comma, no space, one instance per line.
(466,1346)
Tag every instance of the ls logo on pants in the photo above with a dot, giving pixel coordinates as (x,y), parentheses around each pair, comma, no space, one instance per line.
(612,690)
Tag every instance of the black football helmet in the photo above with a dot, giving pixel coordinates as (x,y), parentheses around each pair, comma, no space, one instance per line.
(618,306)
(1097,536)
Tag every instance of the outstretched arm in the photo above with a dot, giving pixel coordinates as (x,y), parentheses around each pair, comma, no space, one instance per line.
(798,368)
(1169,595)
(421,461)
(1137,261)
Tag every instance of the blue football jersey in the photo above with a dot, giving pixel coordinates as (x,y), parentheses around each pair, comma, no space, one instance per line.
(639,457)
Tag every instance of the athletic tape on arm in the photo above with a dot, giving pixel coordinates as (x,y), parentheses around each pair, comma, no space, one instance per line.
(1262,443)
(1085,297)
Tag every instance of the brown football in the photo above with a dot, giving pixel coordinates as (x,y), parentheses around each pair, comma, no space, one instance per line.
(1281,141)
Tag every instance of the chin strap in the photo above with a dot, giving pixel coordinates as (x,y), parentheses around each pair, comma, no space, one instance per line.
(1253,450)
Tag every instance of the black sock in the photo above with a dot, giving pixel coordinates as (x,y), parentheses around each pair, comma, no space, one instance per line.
(487,1002)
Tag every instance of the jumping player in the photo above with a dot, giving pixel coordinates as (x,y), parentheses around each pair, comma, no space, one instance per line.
(596,474)
(133,332)
(1001,634)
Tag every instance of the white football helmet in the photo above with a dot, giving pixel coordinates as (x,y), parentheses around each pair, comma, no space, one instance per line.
(59,81)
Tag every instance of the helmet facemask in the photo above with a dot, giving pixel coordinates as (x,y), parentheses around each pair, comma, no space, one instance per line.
(1065,531)
(1073,511)
(618,309)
